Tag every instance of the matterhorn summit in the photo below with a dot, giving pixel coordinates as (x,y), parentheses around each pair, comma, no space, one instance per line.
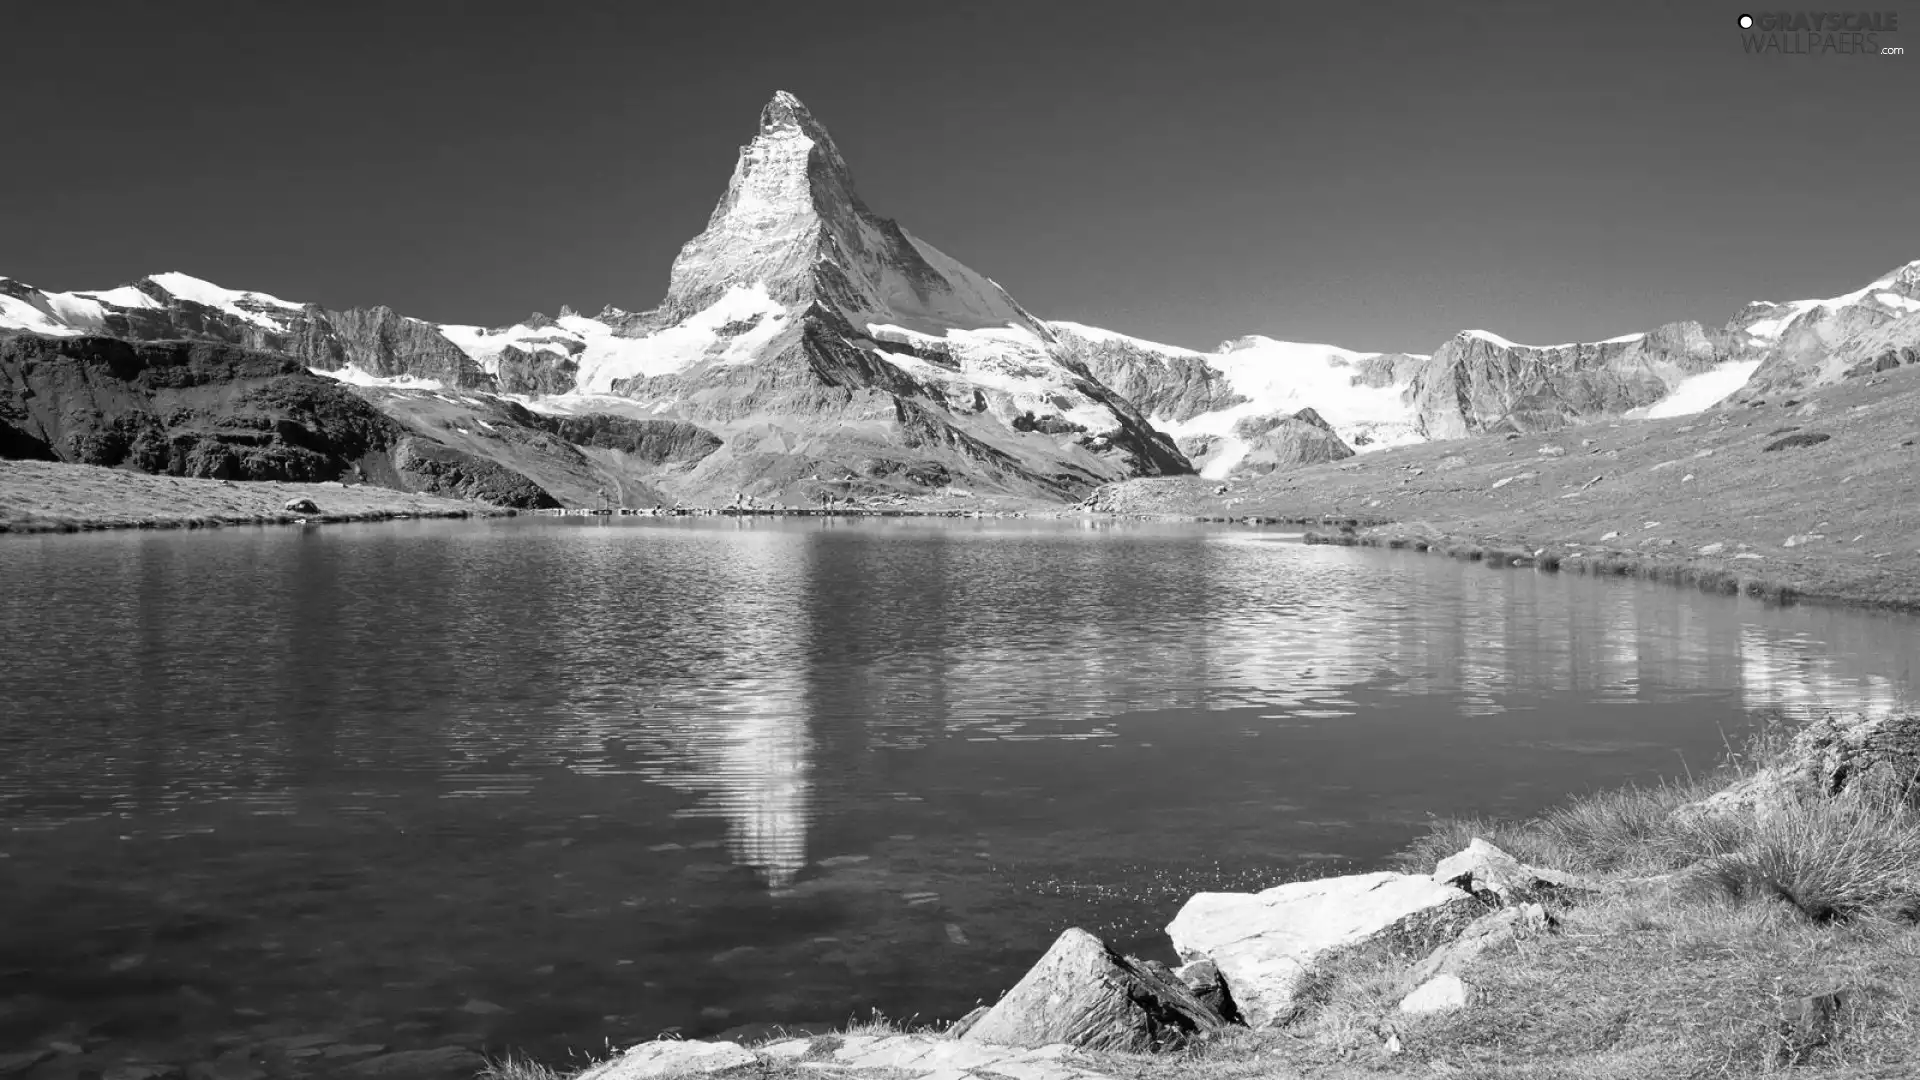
(792,225)
(802,320)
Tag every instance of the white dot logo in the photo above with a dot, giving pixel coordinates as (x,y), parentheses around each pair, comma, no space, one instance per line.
(1746,22)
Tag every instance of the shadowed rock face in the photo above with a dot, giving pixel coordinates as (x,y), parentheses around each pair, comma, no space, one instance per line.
(443,470)
(1087,996)
(656,442)
(182,408)
(213,410)
(535,373)
(1171,384)
(384,344)
(1474,385)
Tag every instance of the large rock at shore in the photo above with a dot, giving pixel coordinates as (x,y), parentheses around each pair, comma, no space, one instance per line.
(1267,944)
(1085,995)
(1203,978)
(1835,755)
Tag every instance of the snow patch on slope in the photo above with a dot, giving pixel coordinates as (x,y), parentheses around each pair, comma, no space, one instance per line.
(1232,451)
(695,340)
(1010,360)
(1786,314)
(186,287)
(1698,393)
(355,376)
(18,314)
(1282,377)
(729,331)
(1495,339)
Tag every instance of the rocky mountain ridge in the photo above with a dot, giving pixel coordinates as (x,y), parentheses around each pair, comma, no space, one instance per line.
(1478,382)
(818,348)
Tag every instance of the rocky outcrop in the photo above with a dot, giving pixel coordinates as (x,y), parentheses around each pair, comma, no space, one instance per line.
(1163,381)
(1495,876)
(655,442)
(535,372)
(386,345)
(1285,442)
(443,470)
(211,410)
(1085,995)
(1267,944)
(1846,754)
(1479,383)
(181,408)
(1480,936)
(1203,978)
(1388,369)
(1806,344)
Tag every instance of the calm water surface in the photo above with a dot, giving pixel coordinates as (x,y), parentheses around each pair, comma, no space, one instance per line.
(542,784)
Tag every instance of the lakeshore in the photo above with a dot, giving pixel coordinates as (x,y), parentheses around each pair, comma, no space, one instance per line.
(1808,497)
(43,496)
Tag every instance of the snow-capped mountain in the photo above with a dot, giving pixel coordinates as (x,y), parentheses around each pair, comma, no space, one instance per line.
(808,346)
(1214,403)
(821,342)
(1803,344)
(1478,381)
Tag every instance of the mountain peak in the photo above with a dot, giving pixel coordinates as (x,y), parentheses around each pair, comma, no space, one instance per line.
(1908,275)
(784,109)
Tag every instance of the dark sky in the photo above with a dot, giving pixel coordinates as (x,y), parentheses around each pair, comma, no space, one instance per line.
(1377,175)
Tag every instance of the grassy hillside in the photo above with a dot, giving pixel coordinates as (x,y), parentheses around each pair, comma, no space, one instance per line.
(45,496)
(1838,519)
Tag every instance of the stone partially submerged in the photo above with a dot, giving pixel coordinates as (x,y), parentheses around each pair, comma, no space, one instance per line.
(1085,995)
(1267,944)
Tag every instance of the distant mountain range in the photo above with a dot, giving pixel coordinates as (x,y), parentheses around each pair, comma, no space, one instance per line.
(807,346)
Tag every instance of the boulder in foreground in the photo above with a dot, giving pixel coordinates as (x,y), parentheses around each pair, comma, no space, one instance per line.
(1087,996)
(1266,944)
